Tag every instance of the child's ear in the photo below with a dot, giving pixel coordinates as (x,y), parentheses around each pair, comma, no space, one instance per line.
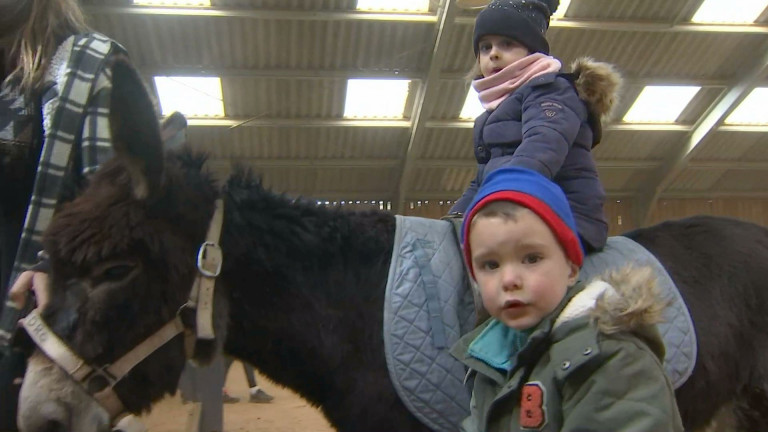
(573,276)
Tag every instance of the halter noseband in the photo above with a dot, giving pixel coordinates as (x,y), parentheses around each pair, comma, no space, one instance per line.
(99,382)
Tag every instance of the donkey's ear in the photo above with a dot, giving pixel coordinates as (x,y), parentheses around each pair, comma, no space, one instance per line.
(135,130)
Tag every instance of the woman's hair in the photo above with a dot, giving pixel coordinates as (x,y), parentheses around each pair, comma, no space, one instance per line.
(48,24)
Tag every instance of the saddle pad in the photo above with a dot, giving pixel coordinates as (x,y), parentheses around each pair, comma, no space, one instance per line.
(427,307)
(677,329)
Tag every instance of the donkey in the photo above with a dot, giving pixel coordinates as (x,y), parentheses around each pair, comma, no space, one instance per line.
(300,293)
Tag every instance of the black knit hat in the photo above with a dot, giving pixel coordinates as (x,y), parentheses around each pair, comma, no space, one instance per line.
(525,21)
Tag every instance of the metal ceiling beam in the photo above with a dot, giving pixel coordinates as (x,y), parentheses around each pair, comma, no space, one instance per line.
(307,162)
(738,194)
(426,97)
(341,196)
(465,163)
(646,26)
(471,163)
(613,194)
(468,124)
(709,122)
(233,122)
(743,128)
(624,195)
(313,15)
(263,14)
(324,74)
(278,73)
(728,165)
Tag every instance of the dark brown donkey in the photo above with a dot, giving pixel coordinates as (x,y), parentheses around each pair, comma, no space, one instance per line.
(304,289)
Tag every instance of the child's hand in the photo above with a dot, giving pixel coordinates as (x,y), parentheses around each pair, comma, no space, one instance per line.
(451,216)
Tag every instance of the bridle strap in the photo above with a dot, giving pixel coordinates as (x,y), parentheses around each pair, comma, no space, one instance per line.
(78,369)
(55,348)
(124,364)
(209,262)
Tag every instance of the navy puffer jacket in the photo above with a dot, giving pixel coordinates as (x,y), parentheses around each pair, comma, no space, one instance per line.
(544,126)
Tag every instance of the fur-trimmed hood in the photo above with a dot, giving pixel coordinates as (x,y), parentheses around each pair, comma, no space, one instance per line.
(598,84)
(625,300)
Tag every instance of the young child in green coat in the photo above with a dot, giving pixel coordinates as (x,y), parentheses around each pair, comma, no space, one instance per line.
(557,355)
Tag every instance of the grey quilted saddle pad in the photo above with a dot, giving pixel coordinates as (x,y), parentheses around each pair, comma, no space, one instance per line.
(428,306)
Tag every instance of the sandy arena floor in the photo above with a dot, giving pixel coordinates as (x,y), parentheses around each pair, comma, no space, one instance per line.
(286,413)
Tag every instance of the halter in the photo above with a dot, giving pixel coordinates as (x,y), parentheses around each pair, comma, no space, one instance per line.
(99,382)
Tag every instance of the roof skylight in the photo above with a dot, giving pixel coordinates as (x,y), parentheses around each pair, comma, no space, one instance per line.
(729,11)
(562,9)
(192,96)
(393,5)
(472,107)
(752,109)
(376,98)
(172,2)
(660,104)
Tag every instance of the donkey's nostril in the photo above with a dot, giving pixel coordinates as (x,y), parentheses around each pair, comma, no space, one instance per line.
(53,417)
(53,426)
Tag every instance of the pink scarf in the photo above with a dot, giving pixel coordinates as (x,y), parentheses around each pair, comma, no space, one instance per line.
(495,88)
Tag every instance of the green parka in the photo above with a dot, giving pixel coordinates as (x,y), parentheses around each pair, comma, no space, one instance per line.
(595,364)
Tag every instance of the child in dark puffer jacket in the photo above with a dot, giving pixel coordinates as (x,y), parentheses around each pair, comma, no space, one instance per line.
(537,117)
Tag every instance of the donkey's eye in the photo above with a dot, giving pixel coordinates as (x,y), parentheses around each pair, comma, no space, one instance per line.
(115,272)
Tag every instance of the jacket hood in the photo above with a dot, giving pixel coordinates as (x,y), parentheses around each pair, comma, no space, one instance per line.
(598,84)
(626,300)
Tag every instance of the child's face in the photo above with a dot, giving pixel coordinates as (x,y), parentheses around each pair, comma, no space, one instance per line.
(494,53)
(521,269)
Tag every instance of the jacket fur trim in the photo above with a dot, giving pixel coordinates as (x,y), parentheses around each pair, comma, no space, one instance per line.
(598,84)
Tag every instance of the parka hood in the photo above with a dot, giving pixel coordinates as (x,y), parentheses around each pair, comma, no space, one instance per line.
(625,300)
(598,84)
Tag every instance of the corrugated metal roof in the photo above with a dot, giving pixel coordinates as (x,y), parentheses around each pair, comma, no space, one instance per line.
(645,145)
(284,66)
(646,10)
(300,143)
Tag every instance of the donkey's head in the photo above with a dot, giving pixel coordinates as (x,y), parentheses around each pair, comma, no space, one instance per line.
(123,263)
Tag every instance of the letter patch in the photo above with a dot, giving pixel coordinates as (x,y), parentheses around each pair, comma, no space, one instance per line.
(533,413)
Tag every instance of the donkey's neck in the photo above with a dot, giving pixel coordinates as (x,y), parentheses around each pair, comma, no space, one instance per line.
(306,289)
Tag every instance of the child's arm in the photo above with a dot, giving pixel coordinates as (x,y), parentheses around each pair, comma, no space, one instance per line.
(628,391)
(552,115)
(461,204)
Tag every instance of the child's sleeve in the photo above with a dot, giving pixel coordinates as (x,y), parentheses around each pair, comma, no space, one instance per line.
(460,206)
(551,118)
(628,391)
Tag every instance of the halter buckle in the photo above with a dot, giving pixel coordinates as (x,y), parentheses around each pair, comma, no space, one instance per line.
(98,380)
(208,255)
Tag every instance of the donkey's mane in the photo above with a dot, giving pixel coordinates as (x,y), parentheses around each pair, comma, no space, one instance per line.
(296,225)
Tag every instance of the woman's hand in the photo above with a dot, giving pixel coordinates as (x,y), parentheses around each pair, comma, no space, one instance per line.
(34,280)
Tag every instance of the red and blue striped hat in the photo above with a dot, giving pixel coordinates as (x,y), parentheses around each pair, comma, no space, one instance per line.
(535,192)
